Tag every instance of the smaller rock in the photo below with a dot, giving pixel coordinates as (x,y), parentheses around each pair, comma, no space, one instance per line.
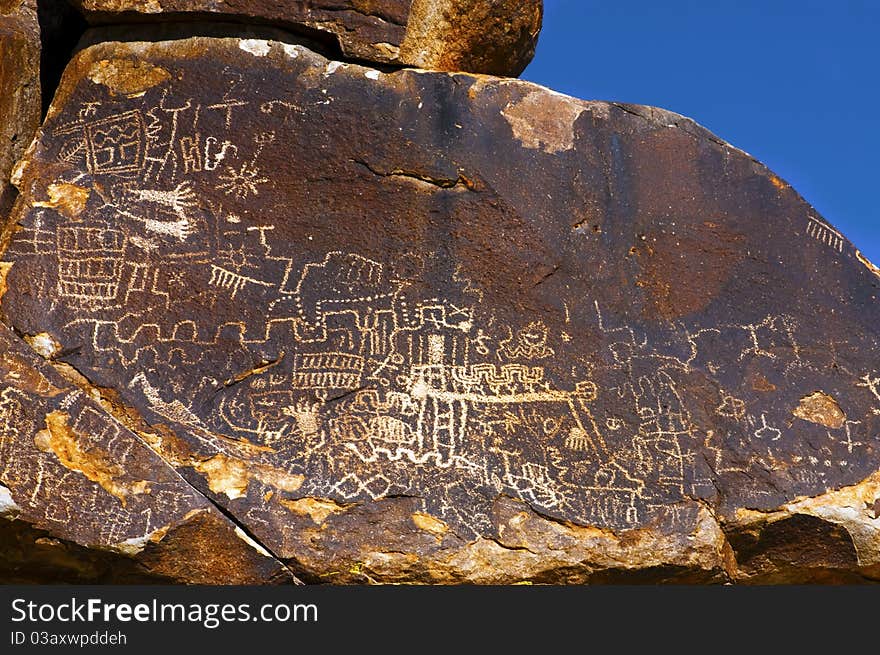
(478,36)
(19,87)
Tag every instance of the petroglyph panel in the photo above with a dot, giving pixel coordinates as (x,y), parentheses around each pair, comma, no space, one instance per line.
(71,470)
(342,318)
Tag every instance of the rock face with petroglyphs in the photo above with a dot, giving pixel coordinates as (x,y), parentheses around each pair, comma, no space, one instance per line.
(426,327)
(19,87)
(494,37)
(87,500)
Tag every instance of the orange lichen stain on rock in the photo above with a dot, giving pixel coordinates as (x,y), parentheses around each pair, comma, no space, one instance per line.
(5,267)
(864,260)
(8,6)
(760,383)
(127,77)
(159,534)
(430,524)
(777,182)
(279,479)
(69,200)
(231,476)
(470,184)
(225,475)
(317,509)
(821,408)
(141,6)
(61,439)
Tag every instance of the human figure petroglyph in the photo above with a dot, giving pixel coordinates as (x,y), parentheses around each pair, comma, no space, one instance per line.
(227,107)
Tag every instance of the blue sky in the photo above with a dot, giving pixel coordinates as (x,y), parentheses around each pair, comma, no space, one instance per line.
(795,83)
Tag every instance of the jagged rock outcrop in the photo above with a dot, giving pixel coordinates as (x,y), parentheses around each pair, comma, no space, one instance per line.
(439,327)
(19,87)
(478,36)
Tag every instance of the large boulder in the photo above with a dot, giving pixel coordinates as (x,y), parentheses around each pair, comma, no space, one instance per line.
(478,36)
(450,328)
(19,87)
